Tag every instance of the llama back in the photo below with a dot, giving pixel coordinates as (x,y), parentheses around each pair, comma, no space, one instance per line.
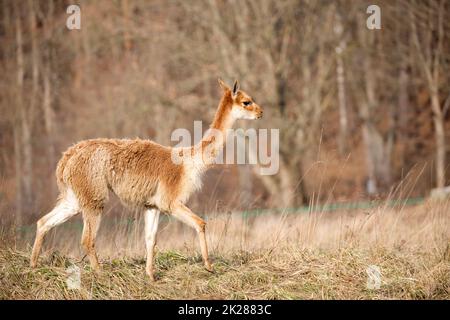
(132,169)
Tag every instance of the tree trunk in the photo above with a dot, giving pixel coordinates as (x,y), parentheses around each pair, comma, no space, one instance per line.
(27,172)
(22,135)
(378,148)
(49,114)
(26,113)
(281,92)
(287,188)
(49,120)
(18,172)
(34,56)
(245,186)
(430,59)
(343,117)
(245,174)
(402,115)
(292,186)
(439,130)
(371,184)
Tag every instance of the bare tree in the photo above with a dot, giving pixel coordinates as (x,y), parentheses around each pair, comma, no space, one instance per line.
(427,25)
(372,110)
(340,79)
(22,133)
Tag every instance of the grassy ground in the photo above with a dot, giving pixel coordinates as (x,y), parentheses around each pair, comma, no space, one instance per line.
(313,256)
(289,274)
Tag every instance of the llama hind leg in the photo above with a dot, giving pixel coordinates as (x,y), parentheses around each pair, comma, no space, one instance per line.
(63,211)
(91,220)
(151,228)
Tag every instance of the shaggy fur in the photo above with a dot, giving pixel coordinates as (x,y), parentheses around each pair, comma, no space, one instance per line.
(143,175)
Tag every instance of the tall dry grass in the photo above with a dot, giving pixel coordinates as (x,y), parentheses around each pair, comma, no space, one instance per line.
(425,226)
(281,256)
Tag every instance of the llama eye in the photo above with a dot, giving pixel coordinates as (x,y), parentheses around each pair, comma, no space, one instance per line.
(247,103)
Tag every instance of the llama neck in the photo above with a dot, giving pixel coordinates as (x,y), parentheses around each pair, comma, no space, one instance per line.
(215,138)
(223,119)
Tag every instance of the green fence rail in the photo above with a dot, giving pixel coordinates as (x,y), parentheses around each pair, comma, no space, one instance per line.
(360,205)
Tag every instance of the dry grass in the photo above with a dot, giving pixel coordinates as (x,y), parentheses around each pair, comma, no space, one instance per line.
(298,256)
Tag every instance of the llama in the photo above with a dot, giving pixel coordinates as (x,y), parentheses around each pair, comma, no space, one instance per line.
(144,175)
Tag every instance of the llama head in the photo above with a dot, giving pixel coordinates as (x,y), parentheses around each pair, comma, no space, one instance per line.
(243,105)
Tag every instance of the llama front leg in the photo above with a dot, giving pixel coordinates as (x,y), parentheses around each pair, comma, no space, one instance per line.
(184,214)
(91,219)
(151,228)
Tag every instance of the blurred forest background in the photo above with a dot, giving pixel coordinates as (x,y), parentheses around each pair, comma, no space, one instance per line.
(359,111)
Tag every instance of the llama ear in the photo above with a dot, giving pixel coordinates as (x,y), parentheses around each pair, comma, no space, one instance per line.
(223,85)
(235,87)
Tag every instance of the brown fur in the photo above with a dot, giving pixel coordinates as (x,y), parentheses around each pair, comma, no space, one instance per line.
(223,111)
(141,173)
(132,169)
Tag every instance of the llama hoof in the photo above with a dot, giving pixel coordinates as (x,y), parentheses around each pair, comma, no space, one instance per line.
(96,268)
(209,267)
(151,275)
